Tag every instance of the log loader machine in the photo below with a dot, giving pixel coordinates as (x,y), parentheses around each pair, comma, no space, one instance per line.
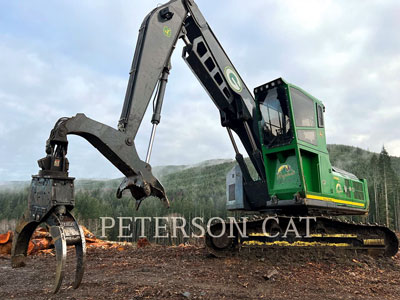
(281,127)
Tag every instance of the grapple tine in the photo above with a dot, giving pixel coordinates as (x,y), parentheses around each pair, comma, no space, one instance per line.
(20,244)
(80,250)
(60,245)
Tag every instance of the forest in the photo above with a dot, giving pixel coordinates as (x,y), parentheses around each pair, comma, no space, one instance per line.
(199,191)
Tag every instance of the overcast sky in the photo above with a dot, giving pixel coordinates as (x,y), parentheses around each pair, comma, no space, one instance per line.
(58,58)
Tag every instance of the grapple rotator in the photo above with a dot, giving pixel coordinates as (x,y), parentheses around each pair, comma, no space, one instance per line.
(50,202)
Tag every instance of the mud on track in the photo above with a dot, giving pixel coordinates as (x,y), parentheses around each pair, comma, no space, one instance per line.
(157,272)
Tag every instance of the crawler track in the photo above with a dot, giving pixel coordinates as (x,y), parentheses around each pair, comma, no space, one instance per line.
(322,233)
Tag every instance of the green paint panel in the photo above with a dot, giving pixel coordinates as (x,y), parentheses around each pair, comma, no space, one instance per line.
(284,177)
(310,165)
(325,172)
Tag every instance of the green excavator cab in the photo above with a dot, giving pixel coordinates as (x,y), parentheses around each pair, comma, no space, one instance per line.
(299,174)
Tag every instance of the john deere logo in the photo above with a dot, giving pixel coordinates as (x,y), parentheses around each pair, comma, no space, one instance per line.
(285,171)
(233,79)
(167,31)
(339,189)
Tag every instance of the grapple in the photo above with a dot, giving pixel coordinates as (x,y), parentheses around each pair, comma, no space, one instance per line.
(50,202)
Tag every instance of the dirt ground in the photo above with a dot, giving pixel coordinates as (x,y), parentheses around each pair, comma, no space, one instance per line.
(190,272)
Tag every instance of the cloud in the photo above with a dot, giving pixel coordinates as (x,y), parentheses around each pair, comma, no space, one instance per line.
(70,58)
(36,92)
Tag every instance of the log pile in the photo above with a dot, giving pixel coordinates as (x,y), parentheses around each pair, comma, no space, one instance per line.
(41,242)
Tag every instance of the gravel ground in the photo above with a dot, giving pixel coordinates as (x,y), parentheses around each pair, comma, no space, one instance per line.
(157,272)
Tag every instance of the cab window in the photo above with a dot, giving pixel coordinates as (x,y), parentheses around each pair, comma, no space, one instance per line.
(320,114)
(275,121)
(303,107)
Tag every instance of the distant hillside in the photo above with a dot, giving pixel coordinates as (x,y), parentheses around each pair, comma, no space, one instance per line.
(90,184)
(161,171)
(353,159)
(198,190)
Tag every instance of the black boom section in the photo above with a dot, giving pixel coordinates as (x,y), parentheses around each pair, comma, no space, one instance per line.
(211,65)
(158,35)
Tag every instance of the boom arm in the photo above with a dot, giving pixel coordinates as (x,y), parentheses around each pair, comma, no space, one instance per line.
(158,36)
(203,53)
